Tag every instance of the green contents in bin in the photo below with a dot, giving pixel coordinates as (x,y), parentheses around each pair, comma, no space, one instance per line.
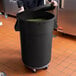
(35,20)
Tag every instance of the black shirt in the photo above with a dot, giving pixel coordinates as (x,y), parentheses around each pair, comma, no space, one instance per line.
(30,3)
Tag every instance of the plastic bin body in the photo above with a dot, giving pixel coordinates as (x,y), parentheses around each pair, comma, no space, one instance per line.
(36,38)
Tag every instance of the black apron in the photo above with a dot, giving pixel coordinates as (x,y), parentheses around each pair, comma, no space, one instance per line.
(28,4)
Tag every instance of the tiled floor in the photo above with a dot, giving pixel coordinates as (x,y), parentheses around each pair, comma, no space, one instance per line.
(63,61)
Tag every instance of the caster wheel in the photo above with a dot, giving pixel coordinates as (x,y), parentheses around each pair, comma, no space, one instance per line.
(34,70)
(46,68)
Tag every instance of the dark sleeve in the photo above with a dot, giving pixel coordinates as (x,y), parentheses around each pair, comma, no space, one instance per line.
(19,3)
(40,2)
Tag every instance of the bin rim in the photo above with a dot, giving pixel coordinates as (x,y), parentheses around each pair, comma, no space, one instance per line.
(47,20)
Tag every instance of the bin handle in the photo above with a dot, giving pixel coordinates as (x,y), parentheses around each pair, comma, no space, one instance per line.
(44,7)
(17,25)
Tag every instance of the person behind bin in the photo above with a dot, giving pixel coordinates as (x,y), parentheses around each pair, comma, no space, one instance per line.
(28,4)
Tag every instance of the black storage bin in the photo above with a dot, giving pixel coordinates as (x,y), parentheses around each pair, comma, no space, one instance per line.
(36,38)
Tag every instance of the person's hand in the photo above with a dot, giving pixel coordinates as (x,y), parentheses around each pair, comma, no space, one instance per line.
(53,1)
(21,9)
